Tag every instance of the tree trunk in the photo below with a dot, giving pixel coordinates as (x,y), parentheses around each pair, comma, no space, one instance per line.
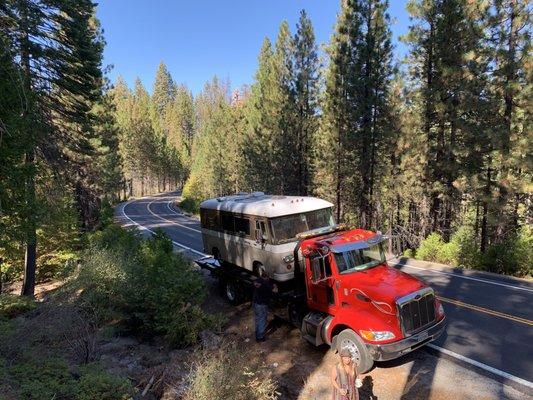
(484,222)
(28,285)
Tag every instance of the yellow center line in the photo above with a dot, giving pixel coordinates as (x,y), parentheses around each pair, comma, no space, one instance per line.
(486,310)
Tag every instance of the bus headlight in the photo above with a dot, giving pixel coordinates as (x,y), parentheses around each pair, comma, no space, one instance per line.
(377,336)
(288,259)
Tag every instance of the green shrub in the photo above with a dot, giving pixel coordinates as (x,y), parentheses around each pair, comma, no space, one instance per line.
(50,378)
(151,289)
(430,248)
(12,306)
(512,257)
(228,374)
(57,265)
(190,205)
(410,253)
(96,384)
(44,379)
(463,249)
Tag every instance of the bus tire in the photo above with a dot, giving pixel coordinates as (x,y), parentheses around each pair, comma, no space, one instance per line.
(231,292)
(348,338)
(256,267)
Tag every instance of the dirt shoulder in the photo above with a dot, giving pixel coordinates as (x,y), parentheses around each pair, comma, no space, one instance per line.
(302,371)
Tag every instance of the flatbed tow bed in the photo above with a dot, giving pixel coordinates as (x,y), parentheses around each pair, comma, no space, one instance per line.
(236,285)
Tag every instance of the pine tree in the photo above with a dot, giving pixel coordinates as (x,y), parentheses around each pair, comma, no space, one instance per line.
(356,114)
(452,81)
(164,89)
(180,125)
(332,168)
(272,140)
(306,99)
(510,47)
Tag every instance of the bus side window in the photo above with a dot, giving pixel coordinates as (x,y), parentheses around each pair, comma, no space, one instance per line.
(228,223)
(242,226)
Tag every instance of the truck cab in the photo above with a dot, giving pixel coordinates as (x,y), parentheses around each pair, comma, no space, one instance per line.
(356,300)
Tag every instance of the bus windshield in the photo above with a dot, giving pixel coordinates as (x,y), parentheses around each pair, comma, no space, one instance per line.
(360,259)
(287,227)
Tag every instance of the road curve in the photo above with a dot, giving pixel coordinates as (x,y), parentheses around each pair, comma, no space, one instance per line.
(490,317)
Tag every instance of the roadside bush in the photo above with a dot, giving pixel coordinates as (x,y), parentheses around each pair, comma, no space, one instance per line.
(51,378)
(227,374)
(512,257)
(44,379)
(409,253)
(430,248)
(144,284)
(190,205)
(96,384)
(12,306)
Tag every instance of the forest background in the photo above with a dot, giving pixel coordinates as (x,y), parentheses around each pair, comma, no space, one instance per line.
(436,151)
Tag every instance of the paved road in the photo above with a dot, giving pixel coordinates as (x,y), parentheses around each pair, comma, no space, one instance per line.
(490,317)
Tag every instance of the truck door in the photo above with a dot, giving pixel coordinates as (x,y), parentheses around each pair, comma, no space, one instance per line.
(320,290)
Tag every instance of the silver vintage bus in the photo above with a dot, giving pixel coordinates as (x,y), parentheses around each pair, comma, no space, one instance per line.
(251,230)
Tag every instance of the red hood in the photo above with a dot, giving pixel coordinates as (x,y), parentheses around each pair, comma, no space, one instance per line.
(382,283)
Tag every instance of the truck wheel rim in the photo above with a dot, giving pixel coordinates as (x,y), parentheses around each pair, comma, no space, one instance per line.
(230,293)
(350,345)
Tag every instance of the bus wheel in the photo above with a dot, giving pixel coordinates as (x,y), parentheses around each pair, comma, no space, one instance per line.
(232,292)
(349,339)
(257,268)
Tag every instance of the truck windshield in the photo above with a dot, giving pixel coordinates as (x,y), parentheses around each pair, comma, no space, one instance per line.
(360,259)
(287,227)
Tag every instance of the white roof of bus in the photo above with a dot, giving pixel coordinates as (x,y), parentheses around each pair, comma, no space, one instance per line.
(265,205)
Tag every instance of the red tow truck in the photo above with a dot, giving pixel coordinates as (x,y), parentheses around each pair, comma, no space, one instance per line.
(344,294)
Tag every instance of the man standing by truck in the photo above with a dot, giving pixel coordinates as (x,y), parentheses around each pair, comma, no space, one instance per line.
(263,289)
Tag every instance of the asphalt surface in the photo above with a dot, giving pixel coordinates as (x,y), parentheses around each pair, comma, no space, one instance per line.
(490,317)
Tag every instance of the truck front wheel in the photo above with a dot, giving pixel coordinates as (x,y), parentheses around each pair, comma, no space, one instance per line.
(351,340)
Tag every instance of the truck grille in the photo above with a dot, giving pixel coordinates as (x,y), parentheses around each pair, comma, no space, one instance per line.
(417,311)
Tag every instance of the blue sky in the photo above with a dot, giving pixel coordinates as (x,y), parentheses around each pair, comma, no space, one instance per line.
(202,38)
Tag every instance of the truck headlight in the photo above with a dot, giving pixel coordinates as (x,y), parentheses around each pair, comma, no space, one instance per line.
(377,336)
(289,258)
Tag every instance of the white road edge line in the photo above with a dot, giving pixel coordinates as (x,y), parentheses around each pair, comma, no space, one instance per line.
(167,220)
(450,353)
(153,233)
(478,364)
(467,277)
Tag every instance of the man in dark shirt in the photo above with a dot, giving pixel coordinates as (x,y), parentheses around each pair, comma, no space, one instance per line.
(263,289)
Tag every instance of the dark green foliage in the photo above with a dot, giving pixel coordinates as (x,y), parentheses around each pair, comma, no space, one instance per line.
(51,378)
(48,379)
(144,284)
(12,306)
(190,205)
(96,384)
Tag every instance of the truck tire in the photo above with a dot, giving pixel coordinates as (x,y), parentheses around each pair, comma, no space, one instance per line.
(348,338)
(296,314)
(232,292)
